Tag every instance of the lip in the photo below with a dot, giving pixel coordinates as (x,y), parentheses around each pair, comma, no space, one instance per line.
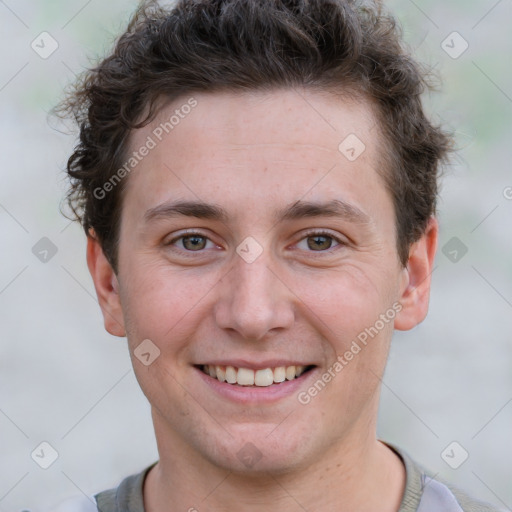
(260,365)
(257,394)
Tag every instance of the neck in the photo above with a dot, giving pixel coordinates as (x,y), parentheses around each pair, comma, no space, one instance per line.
(355,474)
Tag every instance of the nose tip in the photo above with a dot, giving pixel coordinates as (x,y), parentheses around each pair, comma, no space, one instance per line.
(253,301)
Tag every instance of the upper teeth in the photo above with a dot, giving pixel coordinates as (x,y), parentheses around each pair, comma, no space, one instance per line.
(248,377)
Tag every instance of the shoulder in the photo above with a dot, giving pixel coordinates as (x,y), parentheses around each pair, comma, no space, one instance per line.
(427,493)
(128,496)
(79,504)
(466,502)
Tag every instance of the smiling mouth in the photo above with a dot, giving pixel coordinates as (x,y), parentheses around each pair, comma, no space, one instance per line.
(249,377)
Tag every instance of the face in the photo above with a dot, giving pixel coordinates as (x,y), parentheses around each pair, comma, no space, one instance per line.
(253,247)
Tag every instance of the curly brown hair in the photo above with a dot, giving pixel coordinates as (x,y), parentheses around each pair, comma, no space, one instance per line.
(237,45)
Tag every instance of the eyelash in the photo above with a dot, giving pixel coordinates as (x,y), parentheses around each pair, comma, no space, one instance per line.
(311,233)
(307,234)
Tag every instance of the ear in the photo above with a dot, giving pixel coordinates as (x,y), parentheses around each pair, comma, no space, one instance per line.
(107,287)
(415,287)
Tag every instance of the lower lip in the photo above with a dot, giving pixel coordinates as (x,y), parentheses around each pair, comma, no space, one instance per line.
(257,394)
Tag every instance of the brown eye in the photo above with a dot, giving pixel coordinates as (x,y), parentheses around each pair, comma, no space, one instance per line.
(319,242)
(191,242)
(194,242)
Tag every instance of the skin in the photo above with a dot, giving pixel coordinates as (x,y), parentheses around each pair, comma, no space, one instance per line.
(255,154)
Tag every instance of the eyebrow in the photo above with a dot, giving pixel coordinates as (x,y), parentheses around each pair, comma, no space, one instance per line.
(187,208)
(333,208)
(295,211)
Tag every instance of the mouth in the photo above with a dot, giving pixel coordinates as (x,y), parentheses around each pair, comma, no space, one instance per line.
(247,377)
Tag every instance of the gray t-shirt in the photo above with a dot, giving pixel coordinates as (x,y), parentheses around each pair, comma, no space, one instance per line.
(423,493)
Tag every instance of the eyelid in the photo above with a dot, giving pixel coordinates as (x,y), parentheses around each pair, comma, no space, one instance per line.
(185,233)
(320,232)
(305,234)
(342,242)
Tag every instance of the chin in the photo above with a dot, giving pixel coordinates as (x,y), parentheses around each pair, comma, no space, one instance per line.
(257,450)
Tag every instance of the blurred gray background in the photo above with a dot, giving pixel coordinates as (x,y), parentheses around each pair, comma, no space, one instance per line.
(65,381)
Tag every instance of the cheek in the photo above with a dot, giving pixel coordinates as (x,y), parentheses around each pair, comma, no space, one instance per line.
(346,300)
(161,303)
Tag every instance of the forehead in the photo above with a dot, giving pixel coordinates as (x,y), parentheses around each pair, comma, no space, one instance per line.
(250,147)
(295,116)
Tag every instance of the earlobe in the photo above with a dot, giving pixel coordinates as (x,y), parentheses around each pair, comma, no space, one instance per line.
(415,286)
(106,285)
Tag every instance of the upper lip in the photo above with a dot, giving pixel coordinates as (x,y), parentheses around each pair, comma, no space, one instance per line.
(255,365)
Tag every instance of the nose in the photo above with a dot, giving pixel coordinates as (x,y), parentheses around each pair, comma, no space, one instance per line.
(253,300)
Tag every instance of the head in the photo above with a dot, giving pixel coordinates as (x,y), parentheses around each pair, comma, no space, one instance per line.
(257,182)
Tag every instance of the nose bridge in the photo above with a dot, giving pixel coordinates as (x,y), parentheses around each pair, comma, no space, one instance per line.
(253,301)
